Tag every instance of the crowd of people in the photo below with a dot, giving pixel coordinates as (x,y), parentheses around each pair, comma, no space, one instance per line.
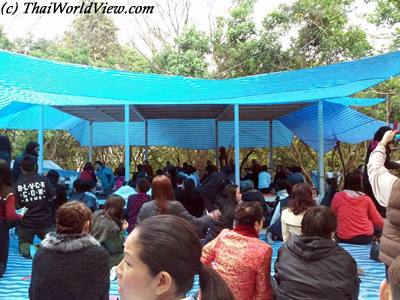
(177,223)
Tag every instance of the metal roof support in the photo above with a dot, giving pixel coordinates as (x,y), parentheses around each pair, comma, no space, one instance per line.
(127,144)
(237,145)
(91,141)
(222,114)
(41,139)
(146,139)
(134,109)
(216,144)
(271,163)
(321,169)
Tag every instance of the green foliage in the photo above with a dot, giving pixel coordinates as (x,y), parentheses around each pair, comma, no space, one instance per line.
(187,58)
(388,14)
(239,49)
(5,43)
(324,34)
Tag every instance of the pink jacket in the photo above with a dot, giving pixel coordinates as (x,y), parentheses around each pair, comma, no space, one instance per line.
(243,262)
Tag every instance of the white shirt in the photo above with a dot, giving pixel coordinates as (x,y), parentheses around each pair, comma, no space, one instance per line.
(291,223)
(380,178)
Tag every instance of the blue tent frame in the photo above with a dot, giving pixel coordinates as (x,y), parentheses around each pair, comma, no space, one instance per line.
(31,81)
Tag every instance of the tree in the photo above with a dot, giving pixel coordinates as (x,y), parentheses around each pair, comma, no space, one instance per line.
(234,39)
(388,14)
(187,57)
(5,43)
(324,34)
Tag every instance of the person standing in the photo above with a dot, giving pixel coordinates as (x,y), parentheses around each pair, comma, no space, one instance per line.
(264,180)
(7,212)
(5,149)
(32,152)
(386,188)
(388,164)
(148,169)
(37,194)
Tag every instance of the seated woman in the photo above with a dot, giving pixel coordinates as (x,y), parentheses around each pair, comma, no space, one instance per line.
(136,201)
(109,228)
(301,199)
(119,174)
(81,194)
(88,174)
(313,265)
(162,256)
(355,212)
(243,261)
(226,204)
(70,264)
(61,190)
(163,203)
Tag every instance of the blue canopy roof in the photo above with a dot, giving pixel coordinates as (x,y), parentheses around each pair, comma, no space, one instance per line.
(340,124)
(34,80)
(26,82)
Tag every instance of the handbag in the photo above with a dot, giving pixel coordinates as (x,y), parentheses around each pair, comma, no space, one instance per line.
(375,248)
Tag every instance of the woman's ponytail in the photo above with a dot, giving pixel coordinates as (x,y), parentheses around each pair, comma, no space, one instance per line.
(212,286)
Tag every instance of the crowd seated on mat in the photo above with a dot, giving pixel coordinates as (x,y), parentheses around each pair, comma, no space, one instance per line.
(209,210)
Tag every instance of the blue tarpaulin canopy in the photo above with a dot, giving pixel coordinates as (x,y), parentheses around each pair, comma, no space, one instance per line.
(341,123)
(311,103)
(34,80)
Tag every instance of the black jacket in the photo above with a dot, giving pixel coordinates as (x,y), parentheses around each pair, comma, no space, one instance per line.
(70,267)
(315,268)
(37,194)
(5,149)
(192,202)
(29,152)
(210,189)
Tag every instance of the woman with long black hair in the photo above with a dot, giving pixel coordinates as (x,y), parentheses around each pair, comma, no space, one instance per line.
(162,256)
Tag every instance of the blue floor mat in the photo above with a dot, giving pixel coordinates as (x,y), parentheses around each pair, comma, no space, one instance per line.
(15,282)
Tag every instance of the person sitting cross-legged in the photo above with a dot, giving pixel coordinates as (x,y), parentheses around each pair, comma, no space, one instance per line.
(240,257)
(313,265)
(357,217)
(37,194)
(70,264)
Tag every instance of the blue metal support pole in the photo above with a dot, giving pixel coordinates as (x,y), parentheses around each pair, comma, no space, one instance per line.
(127,144)
(90,141)
(216,144)
(321,169)
(146,139)
(41,140)
(271,163)
(237,145)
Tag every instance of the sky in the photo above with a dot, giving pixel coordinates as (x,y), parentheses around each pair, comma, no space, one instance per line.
(53,26)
